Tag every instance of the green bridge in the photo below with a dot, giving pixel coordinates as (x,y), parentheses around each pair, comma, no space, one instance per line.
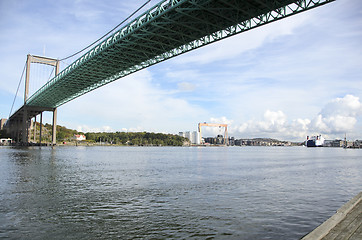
(168,29)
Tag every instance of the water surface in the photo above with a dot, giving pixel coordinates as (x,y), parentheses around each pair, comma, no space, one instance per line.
(173,192)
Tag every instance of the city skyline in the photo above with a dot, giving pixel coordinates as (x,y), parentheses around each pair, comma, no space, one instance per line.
(295,77)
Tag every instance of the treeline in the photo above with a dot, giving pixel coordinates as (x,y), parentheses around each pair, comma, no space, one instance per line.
(63,133)
(137,138)
(121,138)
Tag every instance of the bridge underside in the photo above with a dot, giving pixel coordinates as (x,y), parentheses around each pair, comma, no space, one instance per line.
(19,125)
(170,28)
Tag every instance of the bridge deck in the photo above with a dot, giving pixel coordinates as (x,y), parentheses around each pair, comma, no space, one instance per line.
(345,224)
(170,28)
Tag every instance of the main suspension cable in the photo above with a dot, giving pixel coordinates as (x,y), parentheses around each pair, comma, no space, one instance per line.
(17,90)
(107,32)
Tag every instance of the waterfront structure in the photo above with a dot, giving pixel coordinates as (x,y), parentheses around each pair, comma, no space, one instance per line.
(357,144)
(79,137)
(261,142)
(192,136)
(344,224)
(231,141)
(219,125)
(170,28)
(337,143)
(5,141)
(2,123)
(342,143)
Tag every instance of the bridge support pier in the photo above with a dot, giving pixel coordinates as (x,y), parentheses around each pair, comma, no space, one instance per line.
(20,125)
(24,135)
(34,129)
(40,127)
(54,135)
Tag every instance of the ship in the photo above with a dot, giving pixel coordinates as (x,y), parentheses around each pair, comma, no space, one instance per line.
(314,141)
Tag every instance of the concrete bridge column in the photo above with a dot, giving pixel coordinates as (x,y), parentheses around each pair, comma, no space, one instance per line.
(34,126)
(24,136)
(41,127)
(54,136)
(17,131)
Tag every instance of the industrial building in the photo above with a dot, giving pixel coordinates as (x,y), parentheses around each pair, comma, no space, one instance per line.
(194,136)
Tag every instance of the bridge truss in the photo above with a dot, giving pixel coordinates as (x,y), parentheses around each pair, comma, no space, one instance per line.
(168,29)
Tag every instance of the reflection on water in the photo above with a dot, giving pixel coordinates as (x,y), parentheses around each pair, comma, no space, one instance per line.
(200,193)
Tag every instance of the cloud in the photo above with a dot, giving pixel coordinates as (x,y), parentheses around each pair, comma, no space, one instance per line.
(273,121)
(133,103)
(339,115)
(347,106)
(85,128)
(336,118)
(273,124)
(222,120)
(186,86)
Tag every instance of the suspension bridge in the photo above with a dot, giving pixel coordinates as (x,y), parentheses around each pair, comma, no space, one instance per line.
(170,28)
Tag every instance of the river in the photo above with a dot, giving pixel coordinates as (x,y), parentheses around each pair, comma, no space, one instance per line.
(173,192)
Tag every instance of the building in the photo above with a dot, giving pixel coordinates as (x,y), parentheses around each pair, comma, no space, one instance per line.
(231,141)
(194,136)
(2,122)
(79,137)
(5,141)
(337,143)
(210,140)
(357,144)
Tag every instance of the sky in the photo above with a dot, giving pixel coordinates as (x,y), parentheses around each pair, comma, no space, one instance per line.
(299,76)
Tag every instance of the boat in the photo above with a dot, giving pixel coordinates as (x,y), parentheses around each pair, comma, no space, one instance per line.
(314,141)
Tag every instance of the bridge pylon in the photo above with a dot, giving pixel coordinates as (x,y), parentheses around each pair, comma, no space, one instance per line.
(19,124)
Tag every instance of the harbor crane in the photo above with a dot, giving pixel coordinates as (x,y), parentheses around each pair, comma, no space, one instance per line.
(220,125)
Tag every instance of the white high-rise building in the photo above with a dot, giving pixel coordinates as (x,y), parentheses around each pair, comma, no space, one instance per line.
(194,136)
(188,135)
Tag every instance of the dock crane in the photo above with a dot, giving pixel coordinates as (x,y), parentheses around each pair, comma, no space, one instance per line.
(214,125)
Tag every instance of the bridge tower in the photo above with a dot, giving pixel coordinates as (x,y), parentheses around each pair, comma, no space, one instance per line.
(29,112)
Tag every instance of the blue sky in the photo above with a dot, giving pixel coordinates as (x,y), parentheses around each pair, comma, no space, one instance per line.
(296,77)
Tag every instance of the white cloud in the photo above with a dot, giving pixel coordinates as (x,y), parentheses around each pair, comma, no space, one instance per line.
(134,103)
(221,120)
(339,116)
(186,86)
(273,121)
(85,128)
(347,106)
(273,124)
